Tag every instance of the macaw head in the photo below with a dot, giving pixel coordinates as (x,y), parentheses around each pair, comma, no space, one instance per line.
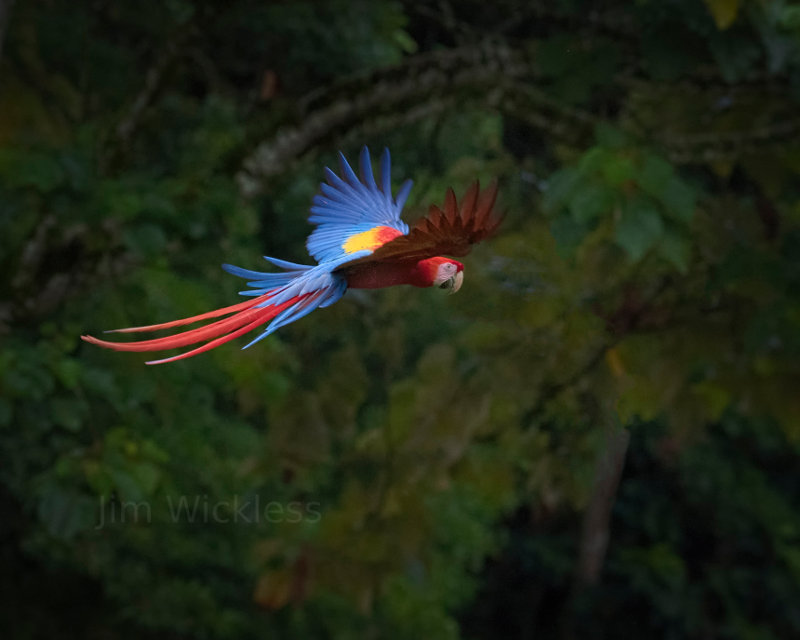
(448,274)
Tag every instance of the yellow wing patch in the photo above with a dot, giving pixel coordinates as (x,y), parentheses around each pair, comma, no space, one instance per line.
(370,239)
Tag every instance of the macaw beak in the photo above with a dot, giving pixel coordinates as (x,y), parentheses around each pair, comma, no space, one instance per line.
(458,280)
(453,283)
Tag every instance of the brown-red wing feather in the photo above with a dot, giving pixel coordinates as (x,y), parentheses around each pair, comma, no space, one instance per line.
(450,231)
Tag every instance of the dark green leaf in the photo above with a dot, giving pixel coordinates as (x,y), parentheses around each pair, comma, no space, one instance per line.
(655,175)
(676,248)
(560,188)
(618,169)
(591,202)
(639,228)
(568,234)
(678,199)
(65,512)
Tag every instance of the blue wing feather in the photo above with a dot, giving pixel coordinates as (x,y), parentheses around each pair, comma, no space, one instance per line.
(365,167)
(348,205)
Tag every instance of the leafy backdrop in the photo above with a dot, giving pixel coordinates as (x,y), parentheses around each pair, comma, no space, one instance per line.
(597,436)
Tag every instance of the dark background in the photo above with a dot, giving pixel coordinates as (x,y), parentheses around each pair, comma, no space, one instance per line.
(597,437)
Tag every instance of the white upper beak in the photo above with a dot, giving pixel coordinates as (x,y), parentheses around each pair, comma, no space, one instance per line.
(458,280)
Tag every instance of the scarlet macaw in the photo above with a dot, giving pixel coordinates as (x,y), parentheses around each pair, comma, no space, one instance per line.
(360,242)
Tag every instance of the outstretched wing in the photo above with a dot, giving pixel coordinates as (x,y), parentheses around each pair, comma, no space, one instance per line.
(450,231)
(355,214)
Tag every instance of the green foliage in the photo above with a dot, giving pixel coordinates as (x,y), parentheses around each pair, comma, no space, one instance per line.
(403,464)
(634,193)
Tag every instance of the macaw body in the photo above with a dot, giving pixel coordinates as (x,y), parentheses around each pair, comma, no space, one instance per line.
(360,242)
(420,273)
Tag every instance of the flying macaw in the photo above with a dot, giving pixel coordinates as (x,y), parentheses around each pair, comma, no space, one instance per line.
(360,242)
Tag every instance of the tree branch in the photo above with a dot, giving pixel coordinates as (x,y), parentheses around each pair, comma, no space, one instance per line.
(492,75)
(424,84)
(56,263)
(597,517)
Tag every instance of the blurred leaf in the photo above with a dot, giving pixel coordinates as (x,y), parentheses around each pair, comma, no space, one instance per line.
(568,234)
(68,371)
(274,589)
(146,240)
(591,202)
(619,168)
(127,484)
(30,169)
(679,199)
(724,12)
(560,188)
(65,512)
(676,249)
(790,17)
(714,395)
(639,228)
(67,413)
(405,41)
(147,476)
(655,176)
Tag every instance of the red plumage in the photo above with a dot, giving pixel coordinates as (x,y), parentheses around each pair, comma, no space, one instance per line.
(247,317)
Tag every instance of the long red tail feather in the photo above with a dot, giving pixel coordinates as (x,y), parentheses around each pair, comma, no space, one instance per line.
(247,316)
(223,339)
(247,304)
